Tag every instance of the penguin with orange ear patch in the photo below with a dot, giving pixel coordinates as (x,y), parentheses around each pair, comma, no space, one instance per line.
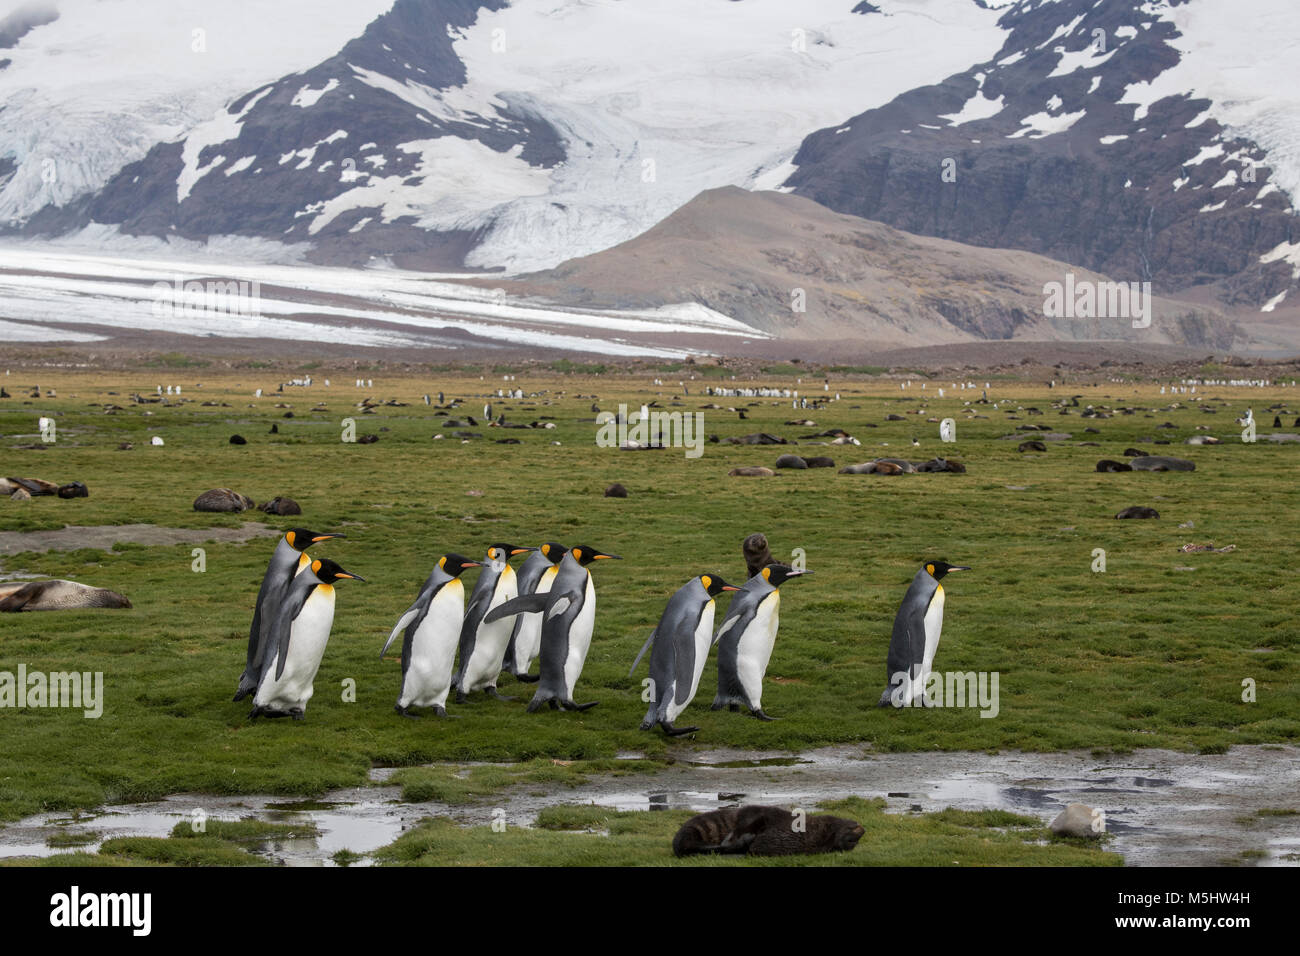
(681,647)
(916,637)
(296,642)
(431,629)
(289,558)
(746,638)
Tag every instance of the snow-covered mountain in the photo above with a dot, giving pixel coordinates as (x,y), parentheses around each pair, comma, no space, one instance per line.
(1155,140)
(1140,139)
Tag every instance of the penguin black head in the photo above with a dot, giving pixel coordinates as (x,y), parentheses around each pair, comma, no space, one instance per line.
(553,551)
(715,585)
(778,574)
(454,564)
(504,552)
(300,539)
(937,569)
(329,571)
(584,554)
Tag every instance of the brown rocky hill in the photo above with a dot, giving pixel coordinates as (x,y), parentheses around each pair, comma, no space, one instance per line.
(749,255)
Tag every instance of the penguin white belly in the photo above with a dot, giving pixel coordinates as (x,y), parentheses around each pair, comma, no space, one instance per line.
(580,639)
(755,648)
(491,639)
(933,627)
(433,649)
(703,639)
(529,640)
(308,635)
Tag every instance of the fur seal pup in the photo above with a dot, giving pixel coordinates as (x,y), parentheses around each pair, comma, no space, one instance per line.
(765,831)
(1107,465)
(1137,511)
(57,596)
(223,499)
(757,555)
(1162,463)
(751,472)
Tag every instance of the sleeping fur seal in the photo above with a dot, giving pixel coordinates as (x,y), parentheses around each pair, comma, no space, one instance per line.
(765,831)
(56,596)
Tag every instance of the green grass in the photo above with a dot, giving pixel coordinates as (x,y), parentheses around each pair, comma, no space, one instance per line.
(1144,655)
(596,836)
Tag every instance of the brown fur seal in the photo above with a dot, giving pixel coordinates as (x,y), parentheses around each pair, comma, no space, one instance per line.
(33,486)
(1031,446)
(56,596)
(1107,465)
(820,462)
(1162,463)
(791,461)
(765,831)
(1137,511)
(707,832)
(888,468)
(757,555)
(223,499)
(905,467)
(616,490)
(751,473)
(281,506)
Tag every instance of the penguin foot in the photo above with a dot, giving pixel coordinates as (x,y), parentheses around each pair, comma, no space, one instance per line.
(405,712)
(528,678)
(672,731)
(255,713)
(535,705)
(762,716)
(297,714)
(240,695)
(492,692)
(460,696)
(733,708)
(570,705)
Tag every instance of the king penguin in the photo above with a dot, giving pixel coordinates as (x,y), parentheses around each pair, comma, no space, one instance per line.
(567,623)
(483,645)
(296,642)
(288,559)
(431,630)
(536,575)
(746,637)
(681,647)
(916,637)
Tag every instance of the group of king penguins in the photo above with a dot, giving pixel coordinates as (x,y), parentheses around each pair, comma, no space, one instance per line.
(547,611)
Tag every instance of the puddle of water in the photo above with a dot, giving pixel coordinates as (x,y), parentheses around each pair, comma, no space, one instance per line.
(1173,809)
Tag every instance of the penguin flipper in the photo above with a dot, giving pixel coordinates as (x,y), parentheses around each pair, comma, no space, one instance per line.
(404,620)
(524,604)
(645,647)
(283,626)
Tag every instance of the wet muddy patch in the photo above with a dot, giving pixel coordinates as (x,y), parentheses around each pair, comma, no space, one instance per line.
(75,537)
(1163,808)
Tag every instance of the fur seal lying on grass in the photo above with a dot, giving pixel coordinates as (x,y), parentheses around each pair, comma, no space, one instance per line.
(765,831)
(57,596)
(753,472)
(1107,464)
(223,499)
(1162,463)
(1138,511)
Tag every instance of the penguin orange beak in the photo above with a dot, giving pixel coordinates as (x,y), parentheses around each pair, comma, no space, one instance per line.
(326,537)
(521,551)
(598,556)
(959,568)
(730,587)
(354,577)
(473,564)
